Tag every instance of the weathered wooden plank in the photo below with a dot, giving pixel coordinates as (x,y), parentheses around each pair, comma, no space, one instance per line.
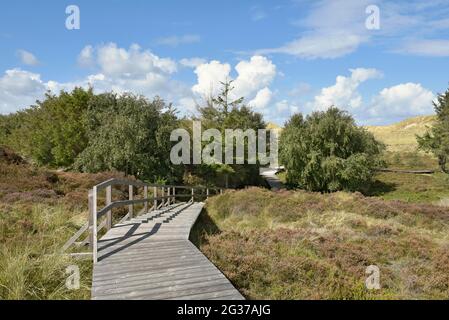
(75,237)
(180,273)
(150,257)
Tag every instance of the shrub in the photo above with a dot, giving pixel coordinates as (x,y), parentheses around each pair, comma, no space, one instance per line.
(327,151)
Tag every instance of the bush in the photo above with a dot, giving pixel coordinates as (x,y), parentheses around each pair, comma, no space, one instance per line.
(130,134)
(436,140)
(327,151)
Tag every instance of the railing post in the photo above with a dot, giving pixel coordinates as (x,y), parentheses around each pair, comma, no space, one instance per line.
(108,202)
(91,218)
(192,196)
(145,196)
(163,195)
(154,198)
(131,197)
(168,196)
(94,225)
(221,191)
(174,195)
(207,193)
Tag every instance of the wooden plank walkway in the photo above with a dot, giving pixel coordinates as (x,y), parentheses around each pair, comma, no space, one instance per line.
(151,257)
(269,174)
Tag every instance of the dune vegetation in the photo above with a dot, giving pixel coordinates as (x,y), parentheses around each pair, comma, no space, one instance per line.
(304,245)
(401,136)
(39,210)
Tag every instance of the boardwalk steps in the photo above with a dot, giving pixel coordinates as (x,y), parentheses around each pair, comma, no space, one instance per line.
(150,257)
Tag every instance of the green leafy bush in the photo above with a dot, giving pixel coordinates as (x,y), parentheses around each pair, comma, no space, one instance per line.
(327,151)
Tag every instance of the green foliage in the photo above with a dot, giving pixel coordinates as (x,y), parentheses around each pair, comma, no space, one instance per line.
(328,152)
(436,140)
(130,134)
(52,132)
(223,113)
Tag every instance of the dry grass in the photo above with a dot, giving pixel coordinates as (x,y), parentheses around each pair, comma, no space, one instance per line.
(39,211)
(301,245)
(401,136)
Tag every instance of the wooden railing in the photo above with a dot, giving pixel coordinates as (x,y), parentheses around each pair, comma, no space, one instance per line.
(162,196)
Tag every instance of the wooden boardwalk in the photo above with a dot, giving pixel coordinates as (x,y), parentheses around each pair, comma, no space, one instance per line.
(151,257)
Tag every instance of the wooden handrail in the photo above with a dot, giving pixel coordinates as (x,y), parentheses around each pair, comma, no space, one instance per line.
(167,196)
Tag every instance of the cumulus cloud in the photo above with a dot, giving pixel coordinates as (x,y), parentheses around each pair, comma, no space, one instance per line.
(86,57)
(402,100)
(134,69)
(116,69)
(252,76)
(262,99)
(19,89)
(27,58)
(344,93)
(134,62)
(209,75)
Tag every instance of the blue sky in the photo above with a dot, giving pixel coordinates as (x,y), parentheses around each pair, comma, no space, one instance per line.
(285,56)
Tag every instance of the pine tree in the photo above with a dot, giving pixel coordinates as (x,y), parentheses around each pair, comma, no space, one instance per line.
(436,140)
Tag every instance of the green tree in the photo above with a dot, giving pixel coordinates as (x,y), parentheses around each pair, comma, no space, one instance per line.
(436,140)
(224,112)
(52,132)
(128,133)
(327,151)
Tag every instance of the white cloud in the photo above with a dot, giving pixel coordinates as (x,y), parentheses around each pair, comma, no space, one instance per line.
(192,62)
(209,75)
(27,58)
(262,99)
(325,45)
(434,48)
(19,89)
(402,100)
(117,69)
(331,29)
(86,56)
(134,62)
(175,41)
(252,75)
(343,93)
(282,106)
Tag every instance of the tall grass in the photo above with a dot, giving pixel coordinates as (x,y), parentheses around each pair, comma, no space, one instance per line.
(39,211)
(31,266)
(301,245)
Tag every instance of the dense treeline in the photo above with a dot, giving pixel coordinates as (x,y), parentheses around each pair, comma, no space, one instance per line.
(88,132)
(92,133)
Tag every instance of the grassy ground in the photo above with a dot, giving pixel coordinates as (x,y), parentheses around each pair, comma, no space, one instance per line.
(415,188)
(39,211)
(300,245)
(401,136)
